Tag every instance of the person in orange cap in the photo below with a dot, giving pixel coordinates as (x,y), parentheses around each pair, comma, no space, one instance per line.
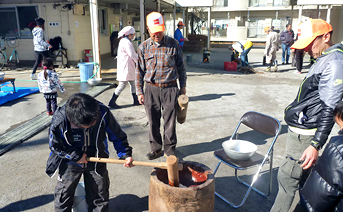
(178,34)
(272,45)
(160,65)
(310,116)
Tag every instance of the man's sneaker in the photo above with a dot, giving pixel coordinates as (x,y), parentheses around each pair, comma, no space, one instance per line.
(152,155)
(297,72)
(268,69)
(33,77)
(50,113)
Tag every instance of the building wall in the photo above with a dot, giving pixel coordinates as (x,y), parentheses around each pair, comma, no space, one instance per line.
(75,31)
(83,36)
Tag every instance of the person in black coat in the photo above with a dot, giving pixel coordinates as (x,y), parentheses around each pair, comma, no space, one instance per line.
(287,39)
(323,189)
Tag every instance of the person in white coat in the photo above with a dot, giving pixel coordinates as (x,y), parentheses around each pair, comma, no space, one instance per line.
(272,45)
(126,61)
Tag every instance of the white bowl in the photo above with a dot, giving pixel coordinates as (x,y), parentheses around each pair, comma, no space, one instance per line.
(2,75)
(94,81)
(239,149)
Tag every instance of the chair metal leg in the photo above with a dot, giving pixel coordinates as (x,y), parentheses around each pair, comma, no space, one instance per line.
(245,183)
(270,179)
(241,181)
(214,173)
(230,203)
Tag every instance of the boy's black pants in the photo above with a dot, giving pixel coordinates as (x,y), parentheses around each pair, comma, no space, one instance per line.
(97,187)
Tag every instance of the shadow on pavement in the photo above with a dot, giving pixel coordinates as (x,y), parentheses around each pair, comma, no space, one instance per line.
(206,97)
(129,203)
(28,204)
(232,190)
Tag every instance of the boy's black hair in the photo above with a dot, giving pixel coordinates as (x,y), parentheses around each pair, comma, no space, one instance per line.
(338,111)
(82,109)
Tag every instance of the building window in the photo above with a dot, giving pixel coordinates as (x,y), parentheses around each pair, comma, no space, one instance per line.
(20,20)
(281,3)
(220,3)
(255,28)
(258,3)
(102,21)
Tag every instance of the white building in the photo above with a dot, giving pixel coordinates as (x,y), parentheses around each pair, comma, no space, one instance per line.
(233,20)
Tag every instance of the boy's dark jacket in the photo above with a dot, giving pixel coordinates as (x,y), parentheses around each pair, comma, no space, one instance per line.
(319,93)
(61,139)
(323,189)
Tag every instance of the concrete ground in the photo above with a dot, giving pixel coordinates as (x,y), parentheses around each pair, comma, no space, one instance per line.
(218,99)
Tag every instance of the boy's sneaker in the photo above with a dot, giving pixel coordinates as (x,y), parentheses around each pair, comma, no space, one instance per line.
(50,113)
(297,72)
(33,77)
(268,69)
(152,155)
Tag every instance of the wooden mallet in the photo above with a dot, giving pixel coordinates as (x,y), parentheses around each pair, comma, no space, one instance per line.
(172,166)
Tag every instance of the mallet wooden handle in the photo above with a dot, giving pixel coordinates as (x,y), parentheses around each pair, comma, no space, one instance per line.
(161,165)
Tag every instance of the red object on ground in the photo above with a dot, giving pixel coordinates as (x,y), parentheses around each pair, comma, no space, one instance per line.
(230,66)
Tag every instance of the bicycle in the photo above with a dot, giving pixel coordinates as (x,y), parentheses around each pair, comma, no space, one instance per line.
(12,42)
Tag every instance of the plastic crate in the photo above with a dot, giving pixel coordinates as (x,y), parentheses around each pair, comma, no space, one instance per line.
(230,66)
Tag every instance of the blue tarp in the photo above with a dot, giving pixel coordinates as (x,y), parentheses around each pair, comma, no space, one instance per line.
(8,95)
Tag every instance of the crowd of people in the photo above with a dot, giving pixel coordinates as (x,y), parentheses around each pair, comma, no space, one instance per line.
(157,76)
(274,40)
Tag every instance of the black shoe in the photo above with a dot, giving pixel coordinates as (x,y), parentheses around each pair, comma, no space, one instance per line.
(287,63)
(283,63)
(112,103)
(152,155)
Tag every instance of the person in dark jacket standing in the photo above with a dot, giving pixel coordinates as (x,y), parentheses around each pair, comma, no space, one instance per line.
(78,130)
(41,47)
(160,64)
(322,191)
(287,39)
(310,116)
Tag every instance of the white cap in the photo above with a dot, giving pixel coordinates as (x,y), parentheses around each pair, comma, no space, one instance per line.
(128,30)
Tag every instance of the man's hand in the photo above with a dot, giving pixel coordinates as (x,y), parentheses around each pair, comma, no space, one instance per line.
(310,156)
(50,47)
(141,99)
(183,91)
(185,39)
(128,164)
(83,159)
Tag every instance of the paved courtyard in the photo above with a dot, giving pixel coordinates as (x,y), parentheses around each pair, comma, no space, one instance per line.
(218,99)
